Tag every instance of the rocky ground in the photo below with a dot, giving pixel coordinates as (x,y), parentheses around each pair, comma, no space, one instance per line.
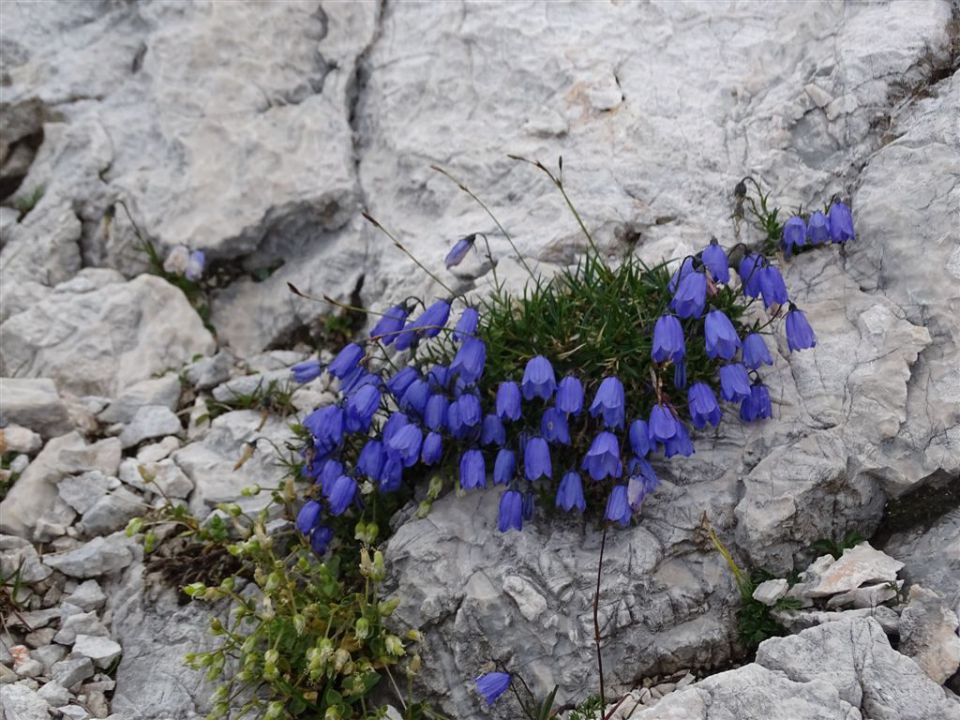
(258,132)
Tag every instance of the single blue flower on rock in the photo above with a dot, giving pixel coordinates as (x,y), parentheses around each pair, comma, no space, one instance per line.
(570,395)
(432,449)
(772,287)
(734,382)
(715,258)
(799,333)
(818,229)
(794,234)
(493,685)
(618,506)
(639,438)
(703,406)
(603,458)
(686,267)
(610,402)
(473,470)
(195,264)
(757,406)
(435,414)
(508,401)
(399,383)
(668,343)
(570,493)
(504,467)
(538,379)
(405,444)
(308,516)
(467,324)
(643,481)
(749,270)
(320,539)
(415,397)
(345,361)
(536,459)
(370,460)
(470,359)
(663,424)
(841,223)
(306,371)
(755,352)
(679,444)
(326,426)
(554,427)
(342,494)
(389,324)
(459,250)
(361,407)
(511,511)
(721,337)
(492,431)
(691,295)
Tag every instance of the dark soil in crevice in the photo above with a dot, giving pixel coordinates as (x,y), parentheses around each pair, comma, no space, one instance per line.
(920,508)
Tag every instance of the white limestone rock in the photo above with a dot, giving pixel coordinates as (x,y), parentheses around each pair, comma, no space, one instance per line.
(14,438)
(769,591)
(150,421)
(928,634)
(99,556)
(207,373)
(163,391)
(931,556)
(100,649)
(35,404)
(21,703)
(81,492)
(88,596)
(111,512)
(71,671)
(858,565)
(18,555)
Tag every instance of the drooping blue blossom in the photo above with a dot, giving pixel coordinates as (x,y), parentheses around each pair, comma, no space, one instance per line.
(618,506)
(504,467)
(508,401)
(642,481)
(639,438)
(492,431)
(370,460)
(415,397)
(818,229)
(195,264)
(715,258)
(680,375)
(799,333)
(389,324)
(320,539)
(435,414)
(470,359)
(691,295)
(399,383)
(603,458)
(467,324)
(755,352)
(329,472)
(554,426)
(703,406)
(459,251)
(686,267)
(772,287)
(493,685)
(306,371)
(427,324)
(529,505)
(361,407)
(432,449)
(391,474)
(439,377)
(358,378)
(570,395)
(757,406)
(668,343)
(663,424)
(464,415)
(536,459)
(734,382)
(326,426)
(345,361)
(609,402)
(570,493)
(841,223)
(308,516)
(473,470)
(511,511)
(749,271)
(679,444)
(405,444)
(342,494)
(396,421)
(721,337)
(794,234)
(538,379)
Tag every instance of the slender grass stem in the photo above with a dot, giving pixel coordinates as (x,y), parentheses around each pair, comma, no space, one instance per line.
(369,218)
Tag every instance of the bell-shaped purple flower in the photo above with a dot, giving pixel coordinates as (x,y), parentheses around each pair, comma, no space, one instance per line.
(371,458)
(493,685)
(361,407)
(326,426)
(818,229)
(511,511)
(538,379)
(686,267)
(529,505)
(459,250)
(716,260)
(473,470)
(610,402)
(799,333)
(603,458)
(405,444)
(679,444)
(439,377)
(342,494)
(399,383)
(464,415)
(195,264)
(639,438)
(492,431)
(508,401)
(570,493)
(618,506)
(467,324)
(721,337)
(389,324)
(772,287)
(757,406)
(329,472)
(570,395)
(308,516)
(428,324)
(554,426)
(691,295)
(415,397)
(396,421)
(469,360)
(432,449)
(345,361)
(356,379)
(668,343)
(643,481)
(755,352)
(435,414)
(320,539)
(734,382)
(391,474)
(749,270)
(504,467)
(306,371)
(841,223)
(703,406)
(794,234)
(663,424)
(536,459)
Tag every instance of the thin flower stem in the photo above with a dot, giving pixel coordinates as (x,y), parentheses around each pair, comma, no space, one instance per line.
(369,218)
(493,265)
(596,620)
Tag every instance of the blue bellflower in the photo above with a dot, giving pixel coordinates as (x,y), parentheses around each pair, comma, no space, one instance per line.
(511,511)
(508,401)
(610,402)
(721,337)
(703,406)
(306,371)
(643,481)
(554,427)
(603,458)
(435,414)
(320,539)
(679,444)
(415,397)
(308,516)
(504,467)
(570,395)
(396,421)
(716,260)
(841,223)
(570,493)
(686,267)
(432,449)
(536,459)
(470,359)
(459,251)
(799,333)
(639,438)
(391,474)
(663,424)
(195,263)
(755,352)
(757,406)
(772,287)
(342,494)
(492,431)
(538,379)
(464,415)
(361,407)
(466,325)
(818,230)
(399,383)
(345,361)
(618,506)
(404,445)
(428,324)
(691,295)
(439,377)
(329,472)
(493,685)
(794,234)
(668,340)
(529,505)
(749,270)
(473,470)
(326,426)
(389,324)
(370,460)
(734,382)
